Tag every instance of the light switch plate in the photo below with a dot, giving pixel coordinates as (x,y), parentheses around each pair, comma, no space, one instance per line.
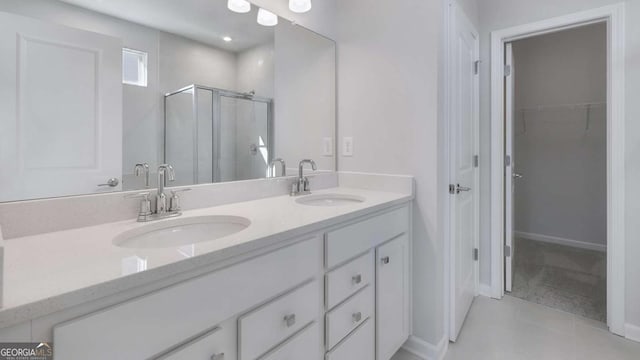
(347,146)
(327,146)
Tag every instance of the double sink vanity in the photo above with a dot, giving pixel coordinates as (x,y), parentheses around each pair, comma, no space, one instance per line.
(230,258)
(317,276)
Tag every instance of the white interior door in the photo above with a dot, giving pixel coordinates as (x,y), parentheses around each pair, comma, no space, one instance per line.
(464,115)
(509,164)
(60,110)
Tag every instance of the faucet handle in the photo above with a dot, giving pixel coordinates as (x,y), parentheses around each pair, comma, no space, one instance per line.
(174,202)
(145,205)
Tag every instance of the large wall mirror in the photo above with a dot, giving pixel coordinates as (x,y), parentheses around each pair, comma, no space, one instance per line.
(93,93)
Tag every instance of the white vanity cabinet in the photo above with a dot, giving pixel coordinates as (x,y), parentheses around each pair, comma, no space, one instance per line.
(367,287)
(340,294)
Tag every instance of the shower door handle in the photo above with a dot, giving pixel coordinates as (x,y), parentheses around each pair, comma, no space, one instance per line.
(517,176)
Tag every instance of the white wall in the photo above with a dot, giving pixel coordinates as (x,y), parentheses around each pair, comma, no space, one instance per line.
(563,191)
(388,62)
(499,14)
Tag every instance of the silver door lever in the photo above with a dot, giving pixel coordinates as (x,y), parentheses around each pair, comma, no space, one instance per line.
(461,188)
(113,182)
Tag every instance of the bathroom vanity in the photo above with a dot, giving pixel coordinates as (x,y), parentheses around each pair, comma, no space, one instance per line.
(330,280)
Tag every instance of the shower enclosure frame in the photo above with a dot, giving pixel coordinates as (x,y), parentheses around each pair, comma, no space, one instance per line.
(216,111)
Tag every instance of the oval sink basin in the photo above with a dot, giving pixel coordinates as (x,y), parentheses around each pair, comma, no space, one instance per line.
(330,200)
(179,232)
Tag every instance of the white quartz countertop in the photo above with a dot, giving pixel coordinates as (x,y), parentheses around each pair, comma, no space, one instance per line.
(51,272)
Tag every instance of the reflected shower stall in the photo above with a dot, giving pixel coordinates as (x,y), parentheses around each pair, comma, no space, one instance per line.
(215,135)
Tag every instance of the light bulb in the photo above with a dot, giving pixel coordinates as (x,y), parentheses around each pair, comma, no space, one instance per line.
(227,38)
(299,6)
(239,6)
(267,18)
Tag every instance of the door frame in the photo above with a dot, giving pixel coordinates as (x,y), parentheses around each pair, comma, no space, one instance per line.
(446,211)
(613,15)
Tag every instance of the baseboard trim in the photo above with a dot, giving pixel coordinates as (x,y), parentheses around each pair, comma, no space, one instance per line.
(425,350)
(632,332)
(561,241)
(484,290)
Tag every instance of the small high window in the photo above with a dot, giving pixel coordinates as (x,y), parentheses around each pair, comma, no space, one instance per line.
(134,67)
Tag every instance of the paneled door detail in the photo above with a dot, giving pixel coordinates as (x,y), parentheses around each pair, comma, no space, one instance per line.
(60,110)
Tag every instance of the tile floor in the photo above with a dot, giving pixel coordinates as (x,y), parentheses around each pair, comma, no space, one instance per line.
(514,329)
(562,277)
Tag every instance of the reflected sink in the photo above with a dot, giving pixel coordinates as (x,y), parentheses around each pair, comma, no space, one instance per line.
(179,232)
(330,200)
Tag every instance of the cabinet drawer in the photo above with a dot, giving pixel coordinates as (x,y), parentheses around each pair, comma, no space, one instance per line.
(269,325)
(352,240)
(358,346)
(304,345)
(348,279)
(349,315)
(172,315)
(218,343)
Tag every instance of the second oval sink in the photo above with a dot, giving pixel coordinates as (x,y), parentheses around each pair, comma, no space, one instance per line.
(184,231)
(329,200)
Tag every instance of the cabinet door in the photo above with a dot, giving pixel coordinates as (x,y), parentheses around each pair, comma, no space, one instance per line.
(392,296)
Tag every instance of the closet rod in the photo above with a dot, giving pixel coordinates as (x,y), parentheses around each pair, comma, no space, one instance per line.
(564,106)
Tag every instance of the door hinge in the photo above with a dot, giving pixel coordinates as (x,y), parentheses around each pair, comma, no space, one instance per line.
(507,70)
(507,251)
(476,67)
(476,254)
(452,189)
(476,161)
(507,160)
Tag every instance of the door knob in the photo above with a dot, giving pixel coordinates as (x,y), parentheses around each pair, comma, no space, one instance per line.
(113,182)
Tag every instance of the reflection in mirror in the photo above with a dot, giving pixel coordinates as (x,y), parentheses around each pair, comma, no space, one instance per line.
(104,92)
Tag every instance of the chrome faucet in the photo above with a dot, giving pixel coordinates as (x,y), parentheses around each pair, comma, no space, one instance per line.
(272,167)
(142,169)
(163,208)
(301,186)
(165,171)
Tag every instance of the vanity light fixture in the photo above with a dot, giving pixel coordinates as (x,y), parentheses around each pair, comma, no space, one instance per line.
(227,39)
(239,6)
(267,18)
(299,6)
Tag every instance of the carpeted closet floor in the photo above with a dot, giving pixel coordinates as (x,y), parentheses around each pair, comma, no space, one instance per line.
(561,277)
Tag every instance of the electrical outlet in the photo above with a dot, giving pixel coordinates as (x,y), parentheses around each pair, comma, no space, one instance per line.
(347,146)
(327,146)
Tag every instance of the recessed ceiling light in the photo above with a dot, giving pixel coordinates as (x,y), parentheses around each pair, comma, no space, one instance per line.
(239,6)
(267,18)
(227,38)
(299,6)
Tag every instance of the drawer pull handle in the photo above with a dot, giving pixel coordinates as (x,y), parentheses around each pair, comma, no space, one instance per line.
(385,260)
(357,317)
(217,356)
(357,279)
(290,320)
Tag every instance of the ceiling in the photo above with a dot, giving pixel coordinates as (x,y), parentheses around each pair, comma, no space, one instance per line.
(206,21)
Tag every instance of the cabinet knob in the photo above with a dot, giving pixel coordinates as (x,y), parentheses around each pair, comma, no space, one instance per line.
(356,279)
(217,356)
(357,317)
(290,320)
(385,260)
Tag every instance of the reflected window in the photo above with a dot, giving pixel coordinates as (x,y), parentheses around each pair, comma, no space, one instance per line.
(134,67)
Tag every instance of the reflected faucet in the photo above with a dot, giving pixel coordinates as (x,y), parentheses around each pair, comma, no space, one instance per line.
(272,167)
(142,169)
(301,186)
(165,171)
